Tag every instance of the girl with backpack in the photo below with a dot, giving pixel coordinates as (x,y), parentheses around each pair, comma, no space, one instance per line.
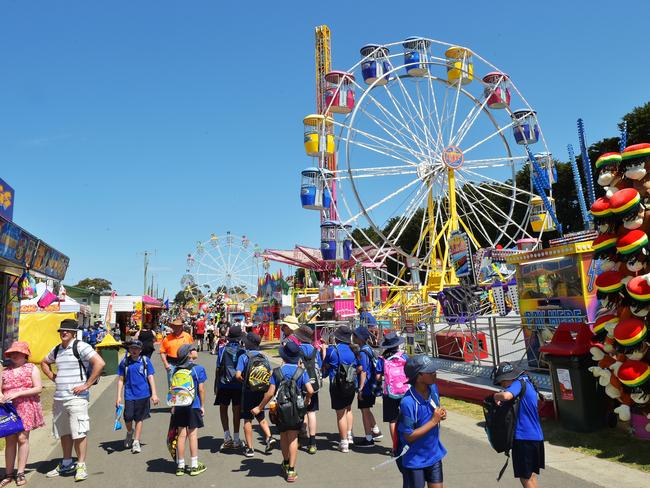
(342,366)
(292,391)
(390,366)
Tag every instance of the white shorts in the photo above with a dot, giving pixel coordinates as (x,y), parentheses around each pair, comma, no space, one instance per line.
(70,417)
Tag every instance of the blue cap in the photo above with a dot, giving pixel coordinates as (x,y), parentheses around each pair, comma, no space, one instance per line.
(362,333)
(418,364)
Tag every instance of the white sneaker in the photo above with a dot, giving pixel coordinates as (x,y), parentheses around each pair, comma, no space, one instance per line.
(350,439)
(343,446)
(128,442)
(81,473)
(135,448)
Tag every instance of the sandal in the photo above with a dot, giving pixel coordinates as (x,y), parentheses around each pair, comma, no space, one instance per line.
(20,479)
(7,480)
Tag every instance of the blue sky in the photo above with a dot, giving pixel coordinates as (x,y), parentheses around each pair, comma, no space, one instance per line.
(132,126)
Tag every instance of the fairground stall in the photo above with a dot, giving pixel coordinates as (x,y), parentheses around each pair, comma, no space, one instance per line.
(128,312)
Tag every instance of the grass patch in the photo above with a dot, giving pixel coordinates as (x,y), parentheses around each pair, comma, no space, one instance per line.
(271,349)
(612,444)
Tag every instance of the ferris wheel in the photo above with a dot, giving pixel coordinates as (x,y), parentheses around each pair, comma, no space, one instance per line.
(428,145)
(227,264)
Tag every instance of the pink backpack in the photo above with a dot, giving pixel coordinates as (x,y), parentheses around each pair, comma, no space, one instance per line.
(395,380)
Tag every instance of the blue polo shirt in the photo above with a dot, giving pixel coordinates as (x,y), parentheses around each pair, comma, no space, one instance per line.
(528,426)
(415,411)
(308,350)
(368,367)
(288,370)
(136,386)
(199,376)
(344,355)
(232,347)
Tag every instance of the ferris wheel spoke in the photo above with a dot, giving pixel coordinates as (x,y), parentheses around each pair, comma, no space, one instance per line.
(467,124)
(483,141)
(492,162)
(376,172)
(379,151)
(485,178)
(478,207)
(423,125)
(438,114)
(510,196)
(397,151)
(474,218)
(408,214)
(214,260)
(453,120)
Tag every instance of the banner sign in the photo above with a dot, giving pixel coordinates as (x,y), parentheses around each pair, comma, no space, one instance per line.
(461,258)
(6,200)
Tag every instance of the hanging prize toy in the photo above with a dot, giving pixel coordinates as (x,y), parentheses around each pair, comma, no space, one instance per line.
(609,176)
(634,249)
(604,247)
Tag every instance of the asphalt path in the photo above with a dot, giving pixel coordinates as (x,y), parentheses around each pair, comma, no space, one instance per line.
(470,463)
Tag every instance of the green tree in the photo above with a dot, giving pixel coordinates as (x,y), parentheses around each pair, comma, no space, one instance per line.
(97,284)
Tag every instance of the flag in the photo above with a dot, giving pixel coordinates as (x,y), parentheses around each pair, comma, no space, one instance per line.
(167,304)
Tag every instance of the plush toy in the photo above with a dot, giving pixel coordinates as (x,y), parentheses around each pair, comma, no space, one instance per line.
(635,375)
(634,161)
(626,207)
(609,176)
(603,215)
(638,292)
(634,248)
(604,247)
(610,289)
(603,325)
(629,335)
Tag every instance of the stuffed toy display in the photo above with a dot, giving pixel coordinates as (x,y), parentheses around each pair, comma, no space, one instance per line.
(609,175)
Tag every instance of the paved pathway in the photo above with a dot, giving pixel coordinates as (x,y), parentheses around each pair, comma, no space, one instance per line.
(470,463)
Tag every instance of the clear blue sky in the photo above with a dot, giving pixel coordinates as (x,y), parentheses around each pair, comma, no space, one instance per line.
(127,126)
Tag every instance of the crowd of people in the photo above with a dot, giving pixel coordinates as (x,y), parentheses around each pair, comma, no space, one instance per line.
(246,385)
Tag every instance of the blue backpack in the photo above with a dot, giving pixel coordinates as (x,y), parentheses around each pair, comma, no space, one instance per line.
(227,369)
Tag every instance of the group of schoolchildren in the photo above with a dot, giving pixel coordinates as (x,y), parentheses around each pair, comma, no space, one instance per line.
(246,383)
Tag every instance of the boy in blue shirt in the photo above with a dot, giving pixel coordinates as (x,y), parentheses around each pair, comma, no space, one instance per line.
(229,390)
(528,445)
(418,426)
(306,336)
(137,382)
(341,353)
(291,354)
(251,399)
(190,419)
(366,393)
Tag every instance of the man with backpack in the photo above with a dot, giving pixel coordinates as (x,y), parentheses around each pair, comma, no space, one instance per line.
(171,344)
(254,372)
(78,368)
(312,362)
(342,366)
(390,366)
(366,391)
(228,389)
(292,390)
(520,394)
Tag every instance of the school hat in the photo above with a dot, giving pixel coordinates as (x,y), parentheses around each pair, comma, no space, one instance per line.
(607,159)
(291,321)
(392,340)
(252,341)
(184,351)
(504,372)
(631,242)
(343,334)
(633,373)
(69,324)
(420,363)
(290,352)
(19,346)
(135,343)
(304,334)
(362,333)
(609,282)
(235,333)
(625,202)
(629,332)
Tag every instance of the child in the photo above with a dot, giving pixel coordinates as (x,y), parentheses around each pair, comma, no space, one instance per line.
(280,380)
(228,389)
(135,378)
(396,361)
(20,384)
(312,361)
(189,419)
(251,399)
(418,426)
(366,392)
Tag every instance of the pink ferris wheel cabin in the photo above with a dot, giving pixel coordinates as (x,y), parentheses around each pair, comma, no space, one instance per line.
(339,97)
(497,90)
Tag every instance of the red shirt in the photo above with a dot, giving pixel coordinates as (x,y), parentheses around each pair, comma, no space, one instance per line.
(200,327)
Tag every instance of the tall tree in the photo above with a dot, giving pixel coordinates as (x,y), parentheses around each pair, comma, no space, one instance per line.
(97,284)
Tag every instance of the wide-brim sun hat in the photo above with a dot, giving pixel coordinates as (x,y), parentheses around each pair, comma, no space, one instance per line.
(419,364)
(505,372)
(290,352)
(304,334)
(291,321)
(252,341)
(362,333)
(176,322)
(343,334)
(19,346)
(235,333)
(135,343)
(392,340)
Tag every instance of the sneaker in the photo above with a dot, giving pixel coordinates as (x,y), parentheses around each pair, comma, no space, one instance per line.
(364,443)
(81,472)
(135,448)
(248,452)
(312,449)
(227,444)
(285,467)
(128,442)
(344,446)
(351,439)
(61,470)
(200,468)
(377,436)
(270,444)
(180,470)
(237,444)
(291,476)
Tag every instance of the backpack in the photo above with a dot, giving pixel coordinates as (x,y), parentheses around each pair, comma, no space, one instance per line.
(182,391)
(313,370)
(83,371)
(228,363)
(291,409)
(258,373)
(501,423)
(344,382)
(395,380)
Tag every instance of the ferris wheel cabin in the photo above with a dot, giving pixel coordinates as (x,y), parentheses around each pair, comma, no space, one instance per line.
(497,90)
(540,219)
(375,64)
(335,244)
(525,128)
(460,67)
(415,56)
(318,137)
(314,192)
(545,161)
(339,96)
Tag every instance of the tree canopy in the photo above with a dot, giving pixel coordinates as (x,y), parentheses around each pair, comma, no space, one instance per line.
(97,284)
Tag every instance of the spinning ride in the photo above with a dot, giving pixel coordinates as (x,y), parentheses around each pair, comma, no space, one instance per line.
(425,145)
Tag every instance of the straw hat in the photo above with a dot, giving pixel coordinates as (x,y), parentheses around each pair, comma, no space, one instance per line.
(291,321)
(19,346)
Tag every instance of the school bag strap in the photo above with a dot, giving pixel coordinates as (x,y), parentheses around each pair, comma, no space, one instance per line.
(517,399)
(75,352)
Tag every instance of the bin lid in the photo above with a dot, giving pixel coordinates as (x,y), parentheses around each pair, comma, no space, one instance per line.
(570,339)
(109,341)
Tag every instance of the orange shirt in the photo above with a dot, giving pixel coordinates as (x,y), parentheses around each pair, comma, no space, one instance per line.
(172,343)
